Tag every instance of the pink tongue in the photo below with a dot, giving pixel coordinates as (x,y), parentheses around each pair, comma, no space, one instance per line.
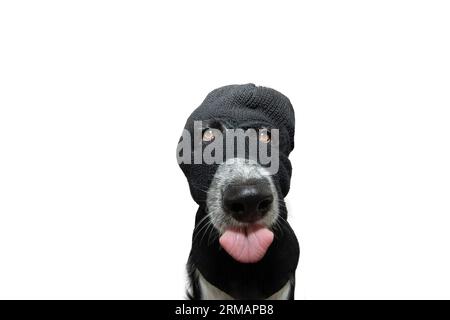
(247,246)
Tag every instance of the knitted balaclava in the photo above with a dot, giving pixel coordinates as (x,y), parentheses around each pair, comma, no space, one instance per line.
(245,106)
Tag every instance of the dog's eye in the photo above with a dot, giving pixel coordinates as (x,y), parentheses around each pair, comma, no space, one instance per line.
(264,136)
(208,135)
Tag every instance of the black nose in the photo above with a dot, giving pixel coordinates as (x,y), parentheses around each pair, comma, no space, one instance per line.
(248,202)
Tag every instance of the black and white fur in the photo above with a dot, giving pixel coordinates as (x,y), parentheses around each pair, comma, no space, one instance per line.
(233,171)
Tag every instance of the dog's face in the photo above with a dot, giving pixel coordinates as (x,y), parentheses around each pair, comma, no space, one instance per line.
(234,153)
(242,197)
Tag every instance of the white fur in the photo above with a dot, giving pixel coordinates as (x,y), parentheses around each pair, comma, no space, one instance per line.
(211,292)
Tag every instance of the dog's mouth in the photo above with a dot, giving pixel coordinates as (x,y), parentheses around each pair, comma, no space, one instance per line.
(243,206)
(247,244)
(246,204)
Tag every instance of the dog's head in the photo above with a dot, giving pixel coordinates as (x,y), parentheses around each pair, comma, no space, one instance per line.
(234,152)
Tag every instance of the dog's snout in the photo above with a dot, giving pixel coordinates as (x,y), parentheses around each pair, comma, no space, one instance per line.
(248,202)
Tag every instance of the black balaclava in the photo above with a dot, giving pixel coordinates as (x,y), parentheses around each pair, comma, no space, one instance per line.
(245,106)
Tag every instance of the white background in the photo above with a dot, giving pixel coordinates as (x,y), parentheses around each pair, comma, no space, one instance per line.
(93,98)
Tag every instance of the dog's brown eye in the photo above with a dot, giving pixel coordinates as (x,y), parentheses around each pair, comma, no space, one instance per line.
(264,136)
(208,135)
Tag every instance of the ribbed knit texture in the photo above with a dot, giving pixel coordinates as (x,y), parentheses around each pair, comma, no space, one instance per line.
(249,102)
(240,105)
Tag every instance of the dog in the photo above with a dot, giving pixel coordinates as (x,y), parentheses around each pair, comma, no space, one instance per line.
(242,245)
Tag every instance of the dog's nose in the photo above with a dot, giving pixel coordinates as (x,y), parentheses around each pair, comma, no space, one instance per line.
(248,202)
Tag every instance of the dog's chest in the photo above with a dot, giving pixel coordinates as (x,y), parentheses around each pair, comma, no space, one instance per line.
(211,292)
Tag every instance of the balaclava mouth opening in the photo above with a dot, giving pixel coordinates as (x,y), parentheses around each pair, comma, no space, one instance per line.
(242,106)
